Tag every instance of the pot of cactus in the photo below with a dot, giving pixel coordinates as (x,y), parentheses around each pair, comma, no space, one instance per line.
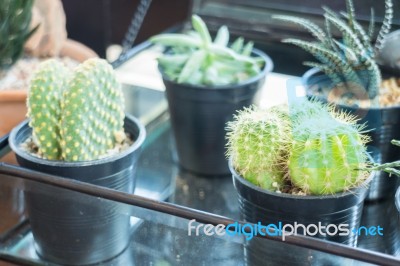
(77,130)
(348,75)
(16,68)
(300,164)
(206,82)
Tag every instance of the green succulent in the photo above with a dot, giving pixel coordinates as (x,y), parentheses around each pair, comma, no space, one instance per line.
(77,115)
(15,19)
(349,60)
(306,145)
(195,58)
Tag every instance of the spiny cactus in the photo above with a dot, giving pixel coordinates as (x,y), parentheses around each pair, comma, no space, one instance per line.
(44,107)
(305,144)
(76,116)
(15,19)
(350,60)
(326,155)
(195,59)
(257,140)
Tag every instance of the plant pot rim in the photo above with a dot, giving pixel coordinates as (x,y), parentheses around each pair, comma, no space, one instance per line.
(268,66)
(27,156)
(352,191)
(70,48)
(397,199)
(313,71)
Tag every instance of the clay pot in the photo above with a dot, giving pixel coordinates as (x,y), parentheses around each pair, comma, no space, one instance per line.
(13,102)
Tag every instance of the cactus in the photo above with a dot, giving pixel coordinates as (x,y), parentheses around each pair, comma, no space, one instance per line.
(307,145)
(350,60)
(327,155)
(44,107)
(75,116)
(257,140)
(15,19)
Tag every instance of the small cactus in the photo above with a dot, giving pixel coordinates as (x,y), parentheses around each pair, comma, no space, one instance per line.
(257,140)
(307,145)
(326,156)
(44,107)
(75,116)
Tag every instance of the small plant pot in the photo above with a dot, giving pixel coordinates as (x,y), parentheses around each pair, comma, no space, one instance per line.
(382,125)
(267,207)
(199,115)
(71,228)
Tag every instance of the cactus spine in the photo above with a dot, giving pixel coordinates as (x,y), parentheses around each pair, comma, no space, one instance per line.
(77,116)
(306,145)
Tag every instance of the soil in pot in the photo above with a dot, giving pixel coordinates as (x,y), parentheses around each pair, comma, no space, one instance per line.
(199,115)
(70,228)
(381,117)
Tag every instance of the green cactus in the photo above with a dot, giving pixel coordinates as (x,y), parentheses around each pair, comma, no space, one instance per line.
(326,155)
(257,140)
(44,108)
(77,116)
(307,145)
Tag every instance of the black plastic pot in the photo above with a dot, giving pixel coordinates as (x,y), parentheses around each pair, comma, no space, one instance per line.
(199,115)
(71,228)
(382,124)
(380,213)
(267,207)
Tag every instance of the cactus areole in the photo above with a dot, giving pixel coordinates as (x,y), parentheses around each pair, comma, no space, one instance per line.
(78,115)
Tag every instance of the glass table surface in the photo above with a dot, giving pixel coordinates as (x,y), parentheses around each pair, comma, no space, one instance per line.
(166,198)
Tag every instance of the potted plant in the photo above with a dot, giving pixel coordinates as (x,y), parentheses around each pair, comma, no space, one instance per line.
(304,164)
(78,130)
(206,82)
(348,75)
(21,27)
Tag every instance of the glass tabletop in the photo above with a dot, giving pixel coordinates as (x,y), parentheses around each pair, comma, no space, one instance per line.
(168,199)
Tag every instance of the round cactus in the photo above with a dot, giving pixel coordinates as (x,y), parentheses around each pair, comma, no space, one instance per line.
(93,112)
(257,140)
(43,104)
(327,155)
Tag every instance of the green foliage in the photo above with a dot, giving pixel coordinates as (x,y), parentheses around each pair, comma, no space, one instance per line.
(75,116)
(306,145)
(15,19)
(349,60)
(195,59)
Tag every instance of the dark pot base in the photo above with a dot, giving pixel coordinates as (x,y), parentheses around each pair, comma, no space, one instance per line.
(71,228)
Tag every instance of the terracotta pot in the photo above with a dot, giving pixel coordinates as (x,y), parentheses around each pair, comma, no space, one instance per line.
(13,102)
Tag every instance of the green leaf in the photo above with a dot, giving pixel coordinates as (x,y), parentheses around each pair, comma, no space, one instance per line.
(201,28)
(237,45)
(222,37)
(175,39)
(193,64)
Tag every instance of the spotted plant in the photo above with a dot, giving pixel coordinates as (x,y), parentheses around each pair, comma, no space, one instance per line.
(76,116)
(350,59)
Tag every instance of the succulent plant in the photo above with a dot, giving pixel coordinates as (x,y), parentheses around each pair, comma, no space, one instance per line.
(75,116)
(350,60)
(326,155)
(306,144)
(195,58)
(15,19)
(257,142)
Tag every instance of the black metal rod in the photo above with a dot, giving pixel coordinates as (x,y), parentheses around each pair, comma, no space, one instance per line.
(188,213)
